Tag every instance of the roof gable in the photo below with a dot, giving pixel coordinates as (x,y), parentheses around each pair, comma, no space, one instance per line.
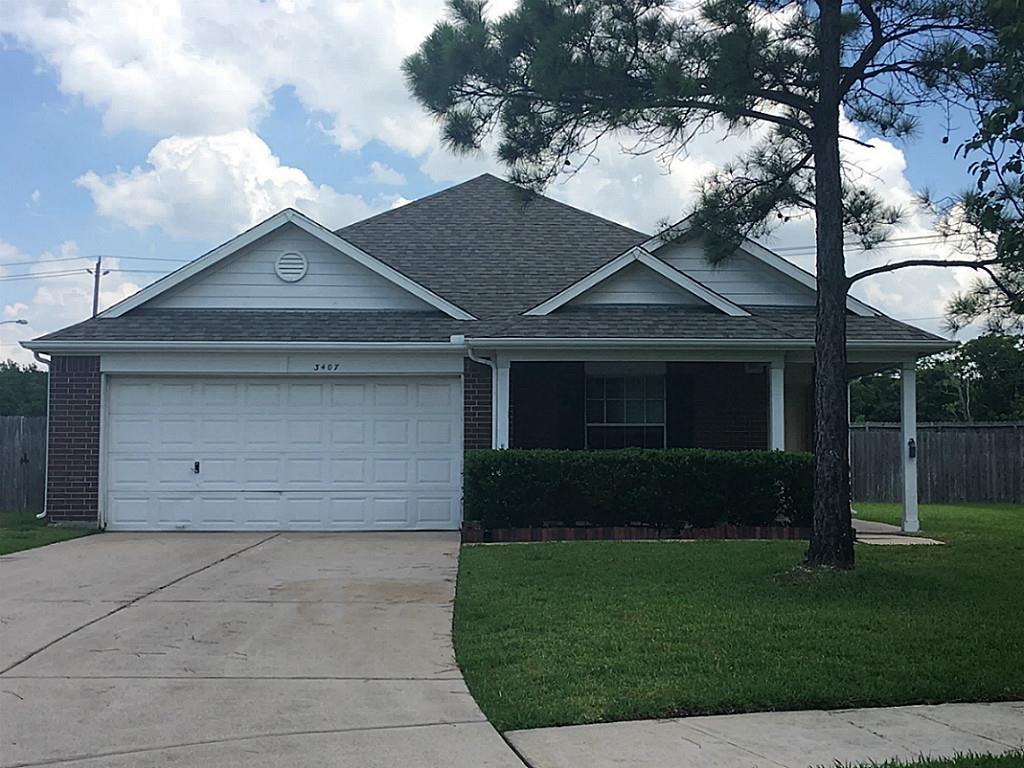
(387,286)
(492,247)
(637,258)
(787,284)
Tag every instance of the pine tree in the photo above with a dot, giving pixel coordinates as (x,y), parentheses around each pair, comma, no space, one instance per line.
(553,77)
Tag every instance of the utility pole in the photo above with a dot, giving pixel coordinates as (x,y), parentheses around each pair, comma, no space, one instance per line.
(96,274)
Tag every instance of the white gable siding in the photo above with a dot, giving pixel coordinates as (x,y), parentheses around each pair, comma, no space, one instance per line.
(247,280)
(741,278)
(637,284)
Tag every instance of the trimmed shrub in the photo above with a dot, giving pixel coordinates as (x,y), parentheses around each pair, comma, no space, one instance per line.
(674,488)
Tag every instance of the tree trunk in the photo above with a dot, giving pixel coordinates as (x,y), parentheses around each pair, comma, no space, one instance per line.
(831,538)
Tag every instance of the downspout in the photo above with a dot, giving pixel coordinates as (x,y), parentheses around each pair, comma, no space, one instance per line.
(494,376)
(46,454)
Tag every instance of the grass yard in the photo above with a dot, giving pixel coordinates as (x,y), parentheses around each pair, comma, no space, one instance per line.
(21,530)
(1013,760)
(560,633)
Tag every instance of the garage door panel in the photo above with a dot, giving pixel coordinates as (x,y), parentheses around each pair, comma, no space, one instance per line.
(435,471)
(391,433)
(339,454)
(435,511)
(348,394)
(434,433)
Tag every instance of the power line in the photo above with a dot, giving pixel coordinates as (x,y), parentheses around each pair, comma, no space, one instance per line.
(62,273)
(93,258)
(41,275)
(933,236)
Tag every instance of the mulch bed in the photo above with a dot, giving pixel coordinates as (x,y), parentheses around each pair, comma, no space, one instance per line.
(475,535)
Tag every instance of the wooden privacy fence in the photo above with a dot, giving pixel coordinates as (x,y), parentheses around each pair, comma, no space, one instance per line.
(955,462)
(22,463)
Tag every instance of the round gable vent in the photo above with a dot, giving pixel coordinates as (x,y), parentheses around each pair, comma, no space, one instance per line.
(291,266)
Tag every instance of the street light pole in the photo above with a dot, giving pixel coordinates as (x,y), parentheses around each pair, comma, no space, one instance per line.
(16,322)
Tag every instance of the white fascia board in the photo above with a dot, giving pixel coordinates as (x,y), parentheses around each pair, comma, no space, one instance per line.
(687,283)
(622,261)
(597,276)
(82,347)
(378,266)
(266,227)
(789,269)
(764,255)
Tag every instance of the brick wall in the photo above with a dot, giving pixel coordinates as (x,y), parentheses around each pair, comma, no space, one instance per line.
(72,480)
(477,404)
(730,407)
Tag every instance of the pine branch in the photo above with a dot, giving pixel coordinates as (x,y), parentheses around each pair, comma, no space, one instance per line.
(976,264)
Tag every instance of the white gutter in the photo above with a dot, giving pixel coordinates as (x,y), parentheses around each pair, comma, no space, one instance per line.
(46,452)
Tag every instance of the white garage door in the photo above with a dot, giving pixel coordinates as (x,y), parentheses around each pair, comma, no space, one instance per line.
(274,453)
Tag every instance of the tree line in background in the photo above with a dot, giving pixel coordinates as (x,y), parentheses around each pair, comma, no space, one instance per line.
(22,389)
(981,380)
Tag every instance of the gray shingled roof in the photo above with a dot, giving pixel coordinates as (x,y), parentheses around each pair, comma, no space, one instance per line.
(665,322)
(495,250)
(491,247)
(619,322)
(144,324)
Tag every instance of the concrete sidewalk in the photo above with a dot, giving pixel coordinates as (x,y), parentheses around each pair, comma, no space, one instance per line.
(779,739)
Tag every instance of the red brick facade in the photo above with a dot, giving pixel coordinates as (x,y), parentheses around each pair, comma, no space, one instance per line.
(730,407)
(72,479)
(477,405)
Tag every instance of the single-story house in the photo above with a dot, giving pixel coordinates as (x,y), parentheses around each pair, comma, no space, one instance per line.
(299,378)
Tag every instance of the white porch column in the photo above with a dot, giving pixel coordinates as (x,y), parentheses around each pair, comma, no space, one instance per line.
(908,445)
(777,405)
(500,404)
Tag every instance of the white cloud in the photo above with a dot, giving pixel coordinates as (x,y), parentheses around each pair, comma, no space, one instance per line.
(213,187)
(381,173)
(200,75)
(49,301)
(35,196)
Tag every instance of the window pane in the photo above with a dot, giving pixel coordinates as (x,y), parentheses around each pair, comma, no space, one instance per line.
(595,411)
(595,386)
(634,437)
(613,386)
(634,386)
(635,411)
(655,411)
(595,437)
(654,437)
(655,386)
(615,412)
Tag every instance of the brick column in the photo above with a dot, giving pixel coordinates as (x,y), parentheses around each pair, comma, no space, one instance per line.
(73,448)
(477,405)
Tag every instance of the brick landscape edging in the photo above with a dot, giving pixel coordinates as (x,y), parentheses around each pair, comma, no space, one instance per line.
(475,535)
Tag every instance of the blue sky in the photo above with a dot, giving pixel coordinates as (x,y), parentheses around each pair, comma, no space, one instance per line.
(154,137)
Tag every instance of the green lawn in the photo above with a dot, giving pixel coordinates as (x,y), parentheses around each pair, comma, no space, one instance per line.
(551,634)
(1014,760)
(21,530)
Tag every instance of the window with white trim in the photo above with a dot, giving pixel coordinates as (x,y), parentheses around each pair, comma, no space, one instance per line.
(625,410)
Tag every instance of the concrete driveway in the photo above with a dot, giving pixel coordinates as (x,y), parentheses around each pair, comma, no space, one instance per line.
(247,649)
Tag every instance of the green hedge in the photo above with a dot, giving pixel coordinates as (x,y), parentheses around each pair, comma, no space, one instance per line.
(676,488)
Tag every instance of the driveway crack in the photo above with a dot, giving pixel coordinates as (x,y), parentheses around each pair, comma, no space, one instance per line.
(134,600)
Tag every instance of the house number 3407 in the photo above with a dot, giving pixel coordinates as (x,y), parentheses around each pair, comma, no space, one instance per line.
(326,367)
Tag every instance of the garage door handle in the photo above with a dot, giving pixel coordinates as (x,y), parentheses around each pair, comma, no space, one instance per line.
(195,467)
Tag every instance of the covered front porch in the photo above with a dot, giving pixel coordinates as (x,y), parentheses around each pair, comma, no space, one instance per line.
(601,398)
